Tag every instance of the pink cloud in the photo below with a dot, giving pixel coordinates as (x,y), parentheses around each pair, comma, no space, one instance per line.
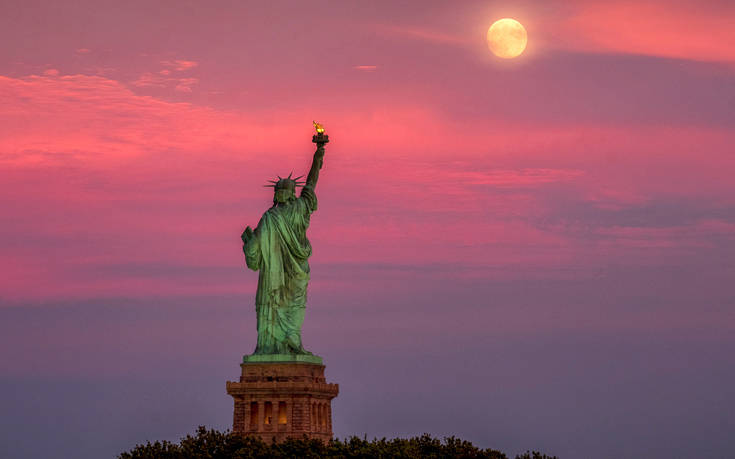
(423,34)
(679,29)
(695,236)
(150,79)
(83,51)
(515,178)
(180,65)
(366,68)
(51,72)
(102,71)
(185,84)
(102,119)
(162,80)
(126,180)
(615,199)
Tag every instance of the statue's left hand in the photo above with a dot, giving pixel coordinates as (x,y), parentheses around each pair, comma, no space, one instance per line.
(246,235)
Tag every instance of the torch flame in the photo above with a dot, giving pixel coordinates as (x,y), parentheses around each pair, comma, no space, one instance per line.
(319,127)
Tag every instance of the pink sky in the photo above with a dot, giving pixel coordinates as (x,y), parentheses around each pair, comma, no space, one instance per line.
(136,137)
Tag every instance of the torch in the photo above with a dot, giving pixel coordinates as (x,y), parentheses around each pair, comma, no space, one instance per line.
(320,138)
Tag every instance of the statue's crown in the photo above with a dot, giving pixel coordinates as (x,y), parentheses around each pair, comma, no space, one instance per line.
(286,183)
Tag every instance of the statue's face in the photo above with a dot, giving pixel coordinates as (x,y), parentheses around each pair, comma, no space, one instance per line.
(283,195)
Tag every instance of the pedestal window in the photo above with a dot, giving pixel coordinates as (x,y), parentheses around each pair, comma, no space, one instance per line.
(282,417)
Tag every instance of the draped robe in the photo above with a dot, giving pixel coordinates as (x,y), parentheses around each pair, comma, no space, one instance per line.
(280,250)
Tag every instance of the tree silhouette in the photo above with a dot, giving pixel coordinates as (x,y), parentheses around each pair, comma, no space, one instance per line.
(212,444)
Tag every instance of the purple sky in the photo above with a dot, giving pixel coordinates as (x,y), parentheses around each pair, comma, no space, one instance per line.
(529,254)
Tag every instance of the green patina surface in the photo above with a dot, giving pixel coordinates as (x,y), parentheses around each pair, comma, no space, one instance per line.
(279,250)
(282,358)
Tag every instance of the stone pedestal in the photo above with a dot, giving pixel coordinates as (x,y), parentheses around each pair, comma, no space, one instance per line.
(283,399)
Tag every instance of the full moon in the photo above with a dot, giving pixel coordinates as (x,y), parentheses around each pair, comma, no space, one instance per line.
(507,38)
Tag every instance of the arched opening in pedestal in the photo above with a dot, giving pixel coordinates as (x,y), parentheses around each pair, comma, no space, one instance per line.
(253,416)
(268,414)
(282,416)
(318,417)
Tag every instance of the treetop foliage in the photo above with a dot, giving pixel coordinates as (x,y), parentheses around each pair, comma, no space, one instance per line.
(212,444)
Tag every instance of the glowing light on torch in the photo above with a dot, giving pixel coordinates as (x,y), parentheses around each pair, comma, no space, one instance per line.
(320,137)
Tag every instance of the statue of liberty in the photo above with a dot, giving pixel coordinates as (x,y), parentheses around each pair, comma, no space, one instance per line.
(279,249)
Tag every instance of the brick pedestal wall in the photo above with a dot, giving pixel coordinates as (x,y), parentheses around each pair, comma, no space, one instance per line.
(281,400)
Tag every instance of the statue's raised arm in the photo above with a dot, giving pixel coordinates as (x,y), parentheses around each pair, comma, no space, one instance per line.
(316,165)
(320,139)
